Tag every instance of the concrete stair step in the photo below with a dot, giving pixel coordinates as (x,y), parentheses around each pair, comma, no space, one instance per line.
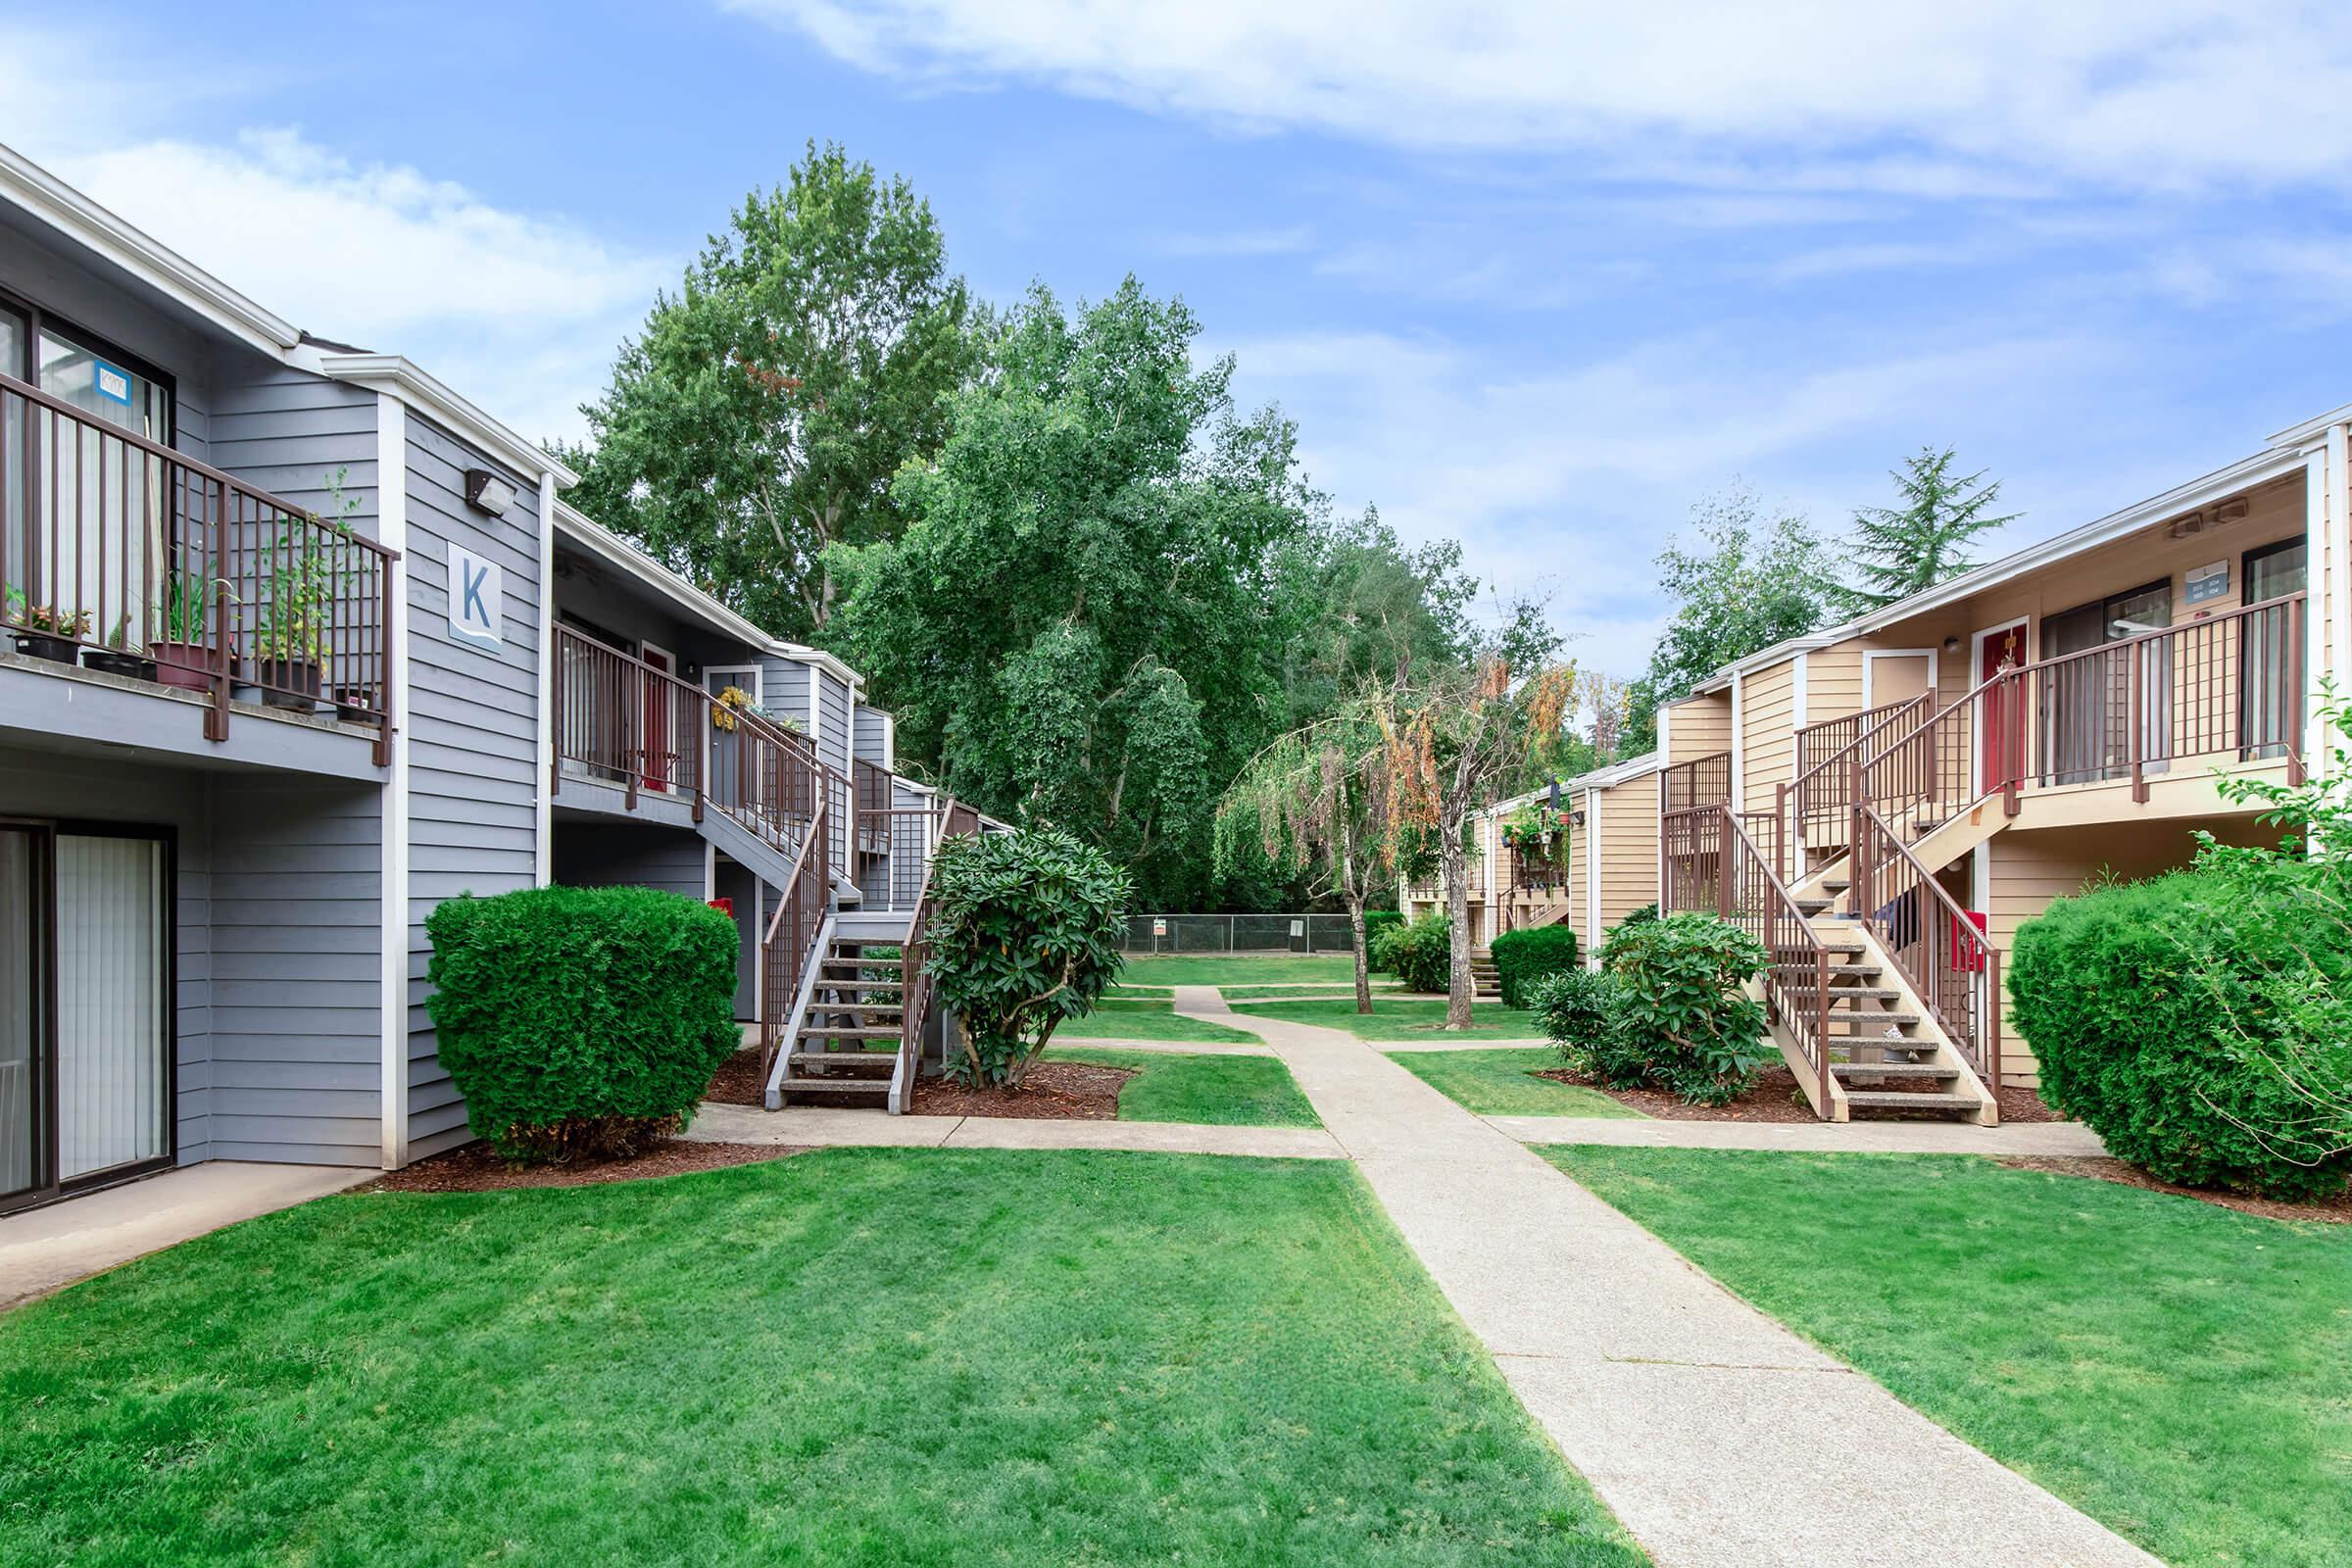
(828,1032)
(841,1087)
(1907,1099)
(843,1058)
(837,961)
(1844,1070)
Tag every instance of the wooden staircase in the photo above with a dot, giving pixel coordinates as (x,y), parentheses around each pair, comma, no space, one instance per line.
(1887,1057)
(1486,981)
(847,1044)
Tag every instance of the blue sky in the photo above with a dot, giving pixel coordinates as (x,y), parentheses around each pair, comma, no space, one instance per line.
(1540,282)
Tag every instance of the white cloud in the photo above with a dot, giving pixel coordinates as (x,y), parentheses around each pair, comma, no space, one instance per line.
(2146,94)
(1570,480)
(1243,242)
(521,310)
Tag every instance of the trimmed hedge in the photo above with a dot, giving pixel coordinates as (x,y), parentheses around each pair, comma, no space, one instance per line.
(1523,957)
(581,1022)
(2160,1014)
(1421,955)
(1377,921)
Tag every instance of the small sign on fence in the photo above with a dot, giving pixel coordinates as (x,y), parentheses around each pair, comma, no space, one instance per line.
(1297,928)
(1159,928)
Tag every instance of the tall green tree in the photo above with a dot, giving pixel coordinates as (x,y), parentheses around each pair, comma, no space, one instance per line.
(761,415)
(1367,608)
(1923,539)
(1743,582)
(1081,624)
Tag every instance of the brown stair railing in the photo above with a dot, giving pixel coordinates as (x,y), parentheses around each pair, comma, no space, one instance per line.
(115,543)
(1701,781)
(620,721)
(1814,804)
(1935,942)
(914,1018)
(1923,779)
(1710,863)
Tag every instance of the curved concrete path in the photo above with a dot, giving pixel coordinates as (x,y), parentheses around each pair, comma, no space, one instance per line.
(1720,1439)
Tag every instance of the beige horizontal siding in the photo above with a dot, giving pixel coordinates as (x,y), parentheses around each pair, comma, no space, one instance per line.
(1768,733)
(1698,726)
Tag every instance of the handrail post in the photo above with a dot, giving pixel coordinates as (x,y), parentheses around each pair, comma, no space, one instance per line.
(698,710)
(2014,694)
(2297,725)
(1722,861)
(216,722)
(1992,1013)
(2135,708)
(1821,1023)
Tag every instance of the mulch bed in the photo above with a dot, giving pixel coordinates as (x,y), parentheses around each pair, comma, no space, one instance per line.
(1053,1091)
(1775,1097)
(739,1081)
(474,1169)
(2336,1210)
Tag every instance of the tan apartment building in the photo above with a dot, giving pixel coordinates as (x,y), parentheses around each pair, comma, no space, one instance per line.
(2061,715)
(1603,868)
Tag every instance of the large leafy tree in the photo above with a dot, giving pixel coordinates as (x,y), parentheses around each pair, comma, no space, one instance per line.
(761,413)
(1081,624)
(1743,582)
(1923,539)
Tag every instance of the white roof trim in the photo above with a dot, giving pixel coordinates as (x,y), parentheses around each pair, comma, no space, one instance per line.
(46,197)
(398,375)
(1600,778)
(601,542)
(820,659)
(2272,463)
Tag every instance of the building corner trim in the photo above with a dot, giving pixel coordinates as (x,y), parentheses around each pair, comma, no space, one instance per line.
(392,508)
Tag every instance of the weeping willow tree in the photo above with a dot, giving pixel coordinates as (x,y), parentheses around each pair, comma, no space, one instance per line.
(1354,797)
(1315,804)
(1452,741)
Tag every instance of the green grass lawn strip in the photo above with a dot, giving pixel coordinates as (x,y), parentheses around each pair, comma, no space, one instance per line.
(1148,1018)
(1227,1091)
(1399,1018)
(1223,969)
(850,1358)
(2177,1371)
(1503,1083)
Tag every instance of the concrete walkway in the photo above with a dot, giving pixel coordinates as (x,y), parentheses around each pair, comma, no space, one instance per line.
(1808,1136)
(48,1249)
(828,1127)
(1720,1439)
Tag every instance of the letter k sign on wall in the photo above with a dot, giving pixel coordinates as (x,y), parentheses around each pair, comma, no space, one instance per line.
(475,586)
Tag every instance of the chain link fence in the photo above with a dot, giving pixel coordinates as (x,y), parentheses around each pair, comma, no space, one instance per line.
(1238,933)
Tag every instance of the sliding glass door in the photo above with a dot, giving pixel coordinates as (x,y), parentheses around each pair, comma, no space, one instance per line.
(23,967)
(85,1011)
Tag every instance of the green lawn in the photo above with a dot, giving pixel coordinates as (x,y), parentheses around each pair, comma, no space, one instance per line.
(1131,993)
(1381,984)
(1230,1090)
(1147,1018)
(1399,1018)
(856,1356)
(1503,1083)
(2180,1372)
(1223,969)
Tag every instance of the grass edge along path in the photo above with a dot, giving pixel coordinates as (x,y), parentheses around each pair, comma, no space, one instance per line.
(1124,1018)
(1056,1356)
(1225,969)
(1205,1090)
(1393,1018)
(1502,1082)
(2180,1372)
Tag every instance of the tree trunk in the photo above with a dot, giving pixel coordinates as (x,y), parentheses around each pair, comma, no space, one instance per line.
(1458,989)
(1363,968)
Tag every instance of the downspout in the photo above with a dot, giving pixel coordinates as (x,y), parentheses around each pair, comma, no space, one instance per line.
(392,531)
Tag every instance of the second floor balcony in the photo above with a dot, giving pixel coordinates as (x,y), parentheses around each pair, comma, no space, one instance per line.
(120,556)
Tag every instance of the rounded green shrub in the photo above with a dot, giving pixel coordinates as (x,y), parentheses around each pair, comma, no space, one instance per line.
(1376,923)
(1670,1013)
(581,1022)
(1024,933)
(2194,1022)
(1524,956)
(1420,954)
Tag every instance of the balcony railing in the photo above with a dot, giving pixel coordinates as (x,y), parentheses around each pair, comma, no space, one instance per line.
(123,554)
(1701,781)
(2227,689)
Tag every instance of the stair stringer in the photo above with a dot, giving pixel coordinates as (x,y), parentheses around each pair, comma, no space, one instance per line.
(1808,1079)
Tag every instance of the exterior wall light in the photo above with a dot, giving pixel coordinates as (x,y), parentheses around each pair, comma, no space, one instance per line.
(487,492)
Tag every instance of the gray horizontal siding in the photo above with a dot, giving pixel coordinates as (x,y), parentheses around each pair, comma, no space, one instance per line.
(285,430)
(833,705)
(870,736)
(596,854)
(473,751)
(297,1018)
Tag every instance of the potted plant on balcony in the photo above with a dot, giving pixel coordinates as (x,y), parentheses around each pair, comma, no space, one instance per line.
(45,631)
(294,634)
(1537,832)
(186,654)
(117,657)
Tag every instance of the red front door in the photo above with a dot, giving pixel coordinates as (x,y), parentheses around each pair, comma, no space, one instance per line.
(1997,738)
(661,745)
